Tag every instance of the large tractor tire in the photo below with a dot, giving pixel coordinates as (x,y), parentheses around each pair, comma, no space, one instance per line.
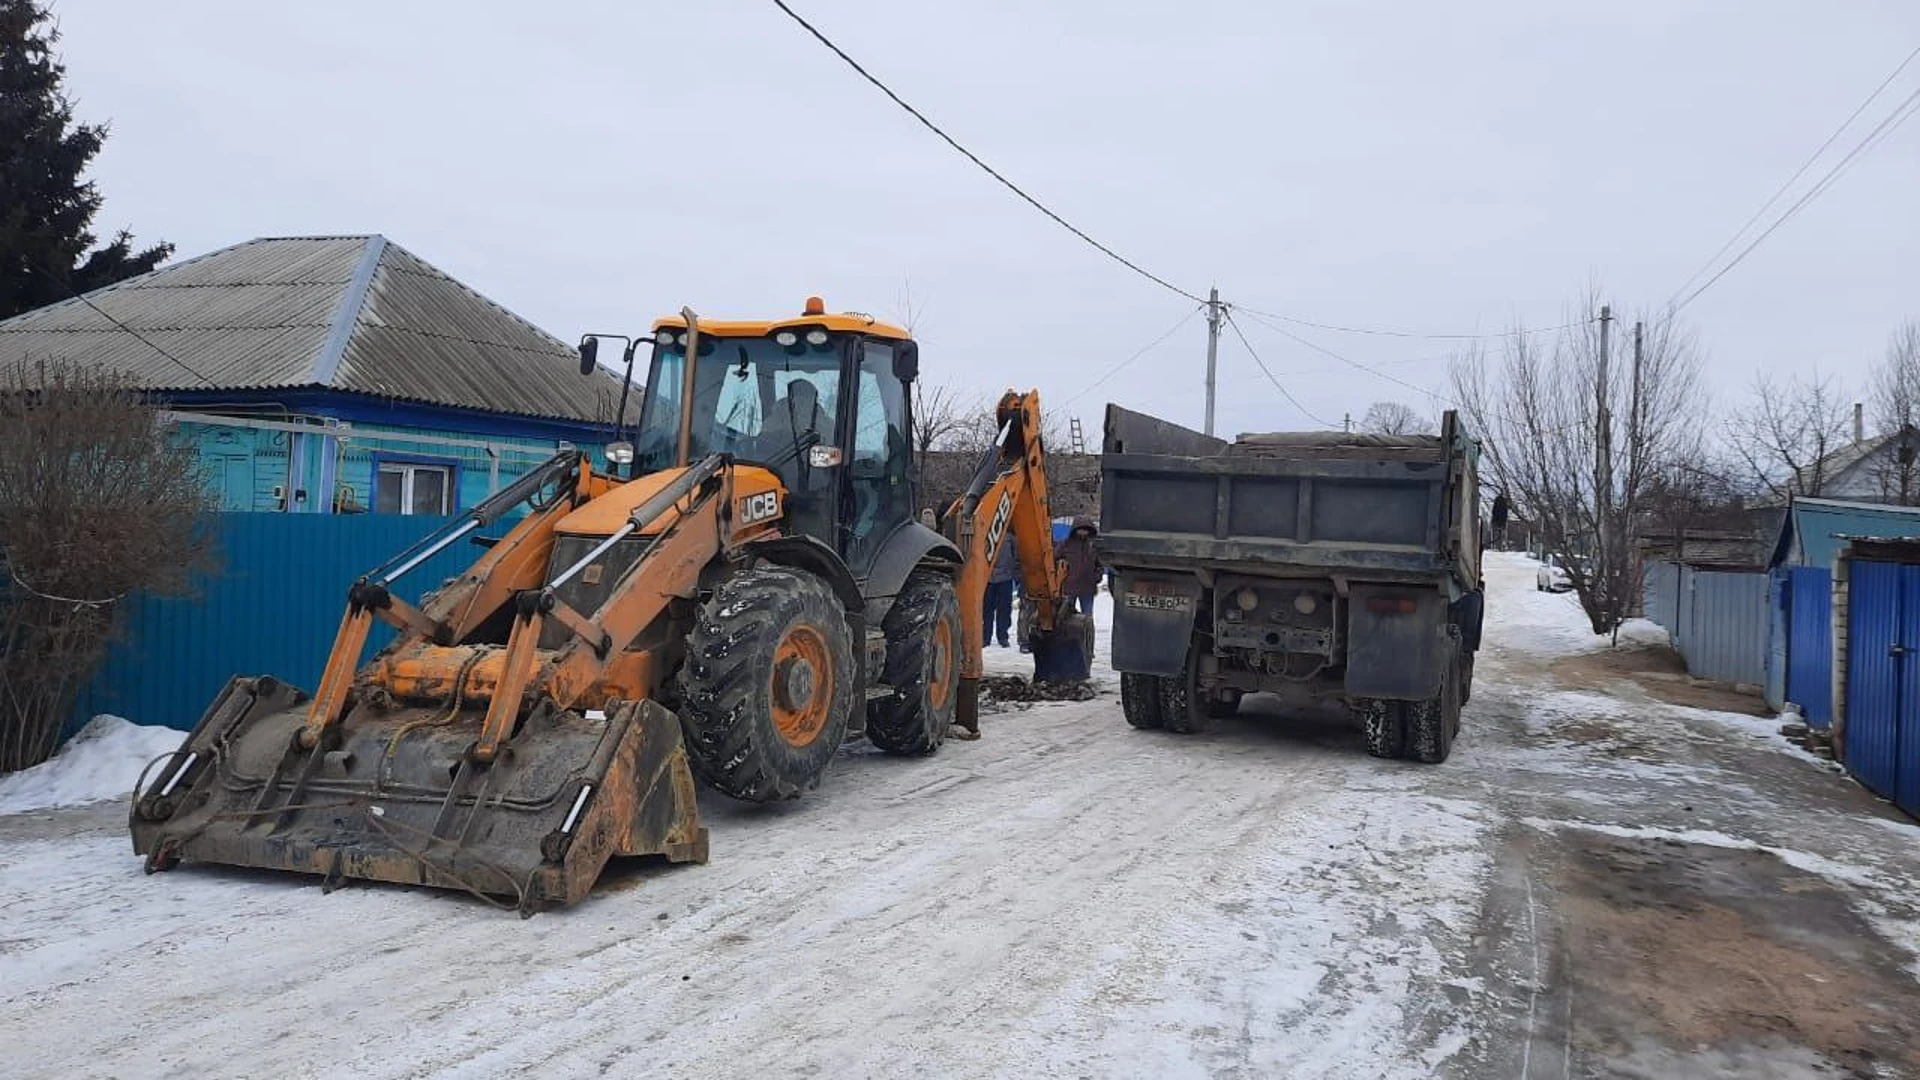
(923,668)
(1140,700)
(768,686)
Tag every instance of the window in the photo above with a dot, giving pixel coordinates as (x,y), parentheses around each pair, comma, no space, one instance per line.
(882,487)
(413,489)
(744,400)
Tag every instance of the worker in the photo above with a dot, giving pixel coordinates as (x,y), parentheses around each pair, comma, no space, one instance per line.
(1083,565)
(1498,535)
(792,419)
(997,618)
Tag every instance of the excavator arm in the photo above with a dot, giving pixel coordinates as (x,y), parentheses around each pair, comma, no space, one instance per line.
(1006,502)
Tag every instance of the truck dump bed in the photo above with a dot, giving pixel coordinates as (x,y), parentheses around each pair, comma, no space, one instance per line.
(1324,502)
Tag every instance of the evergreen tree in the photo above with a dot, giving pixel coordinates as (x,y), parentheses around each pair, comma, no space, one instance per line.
(45,209)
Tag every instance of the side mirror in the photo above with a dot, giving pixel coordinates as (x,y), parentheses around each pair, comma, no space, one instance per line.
(906,360)
(589,352)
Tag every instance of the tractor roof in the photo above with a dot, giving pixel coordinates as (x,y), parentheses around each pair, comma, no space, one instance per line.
(814,315)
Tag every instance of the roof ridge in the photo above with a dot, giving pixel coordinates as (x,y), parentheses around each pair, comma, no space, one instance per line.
(353,304)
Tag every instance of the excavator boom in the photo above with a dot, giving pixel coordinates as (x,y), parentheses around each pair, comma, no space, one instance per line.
(1006,502)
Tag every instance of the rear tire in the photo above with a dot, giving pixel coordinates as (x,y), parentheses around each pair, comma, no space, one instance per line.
(767,688)
(1183,707)
(1385,725)
(923,668)
(1140,701)
(1435,722)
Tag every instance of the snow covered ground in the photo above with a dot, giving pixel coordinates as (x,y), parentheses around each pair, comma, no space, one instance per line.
(1064,897)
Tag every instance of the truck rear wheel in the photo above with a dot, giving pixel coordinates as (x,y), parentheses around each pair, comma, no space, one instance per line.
(1140,701)
(1385,726)
(1183,705)
(767,688)
(1436,721)
(923,668)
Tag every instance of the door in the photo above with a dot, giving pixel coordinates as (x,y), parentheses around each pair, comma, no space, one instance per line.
(1883,684)
(1810,643)
(879,458)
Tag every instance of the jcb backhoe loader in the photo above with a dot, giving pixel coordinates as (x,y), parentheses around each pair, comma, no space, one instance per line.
(753,590)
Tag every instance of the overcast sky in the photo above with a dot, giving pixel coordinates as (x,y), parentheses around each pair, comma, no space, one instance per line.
(1439,168)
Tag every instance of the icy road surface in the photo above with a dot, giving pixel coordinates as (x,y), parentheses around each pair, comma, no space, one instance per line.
(1064,897)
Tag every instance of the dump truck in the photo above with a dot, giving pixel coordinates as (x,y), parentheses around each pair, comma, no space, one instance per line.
(1331,569)
(737,590)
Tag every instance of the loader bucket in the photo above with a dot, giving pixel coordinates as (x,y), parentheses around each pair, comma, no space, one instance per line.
(1065,654)
(390,794)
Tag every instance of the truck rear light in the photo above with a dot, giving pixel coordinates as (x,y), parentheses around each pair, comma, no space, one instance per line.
(1392,605)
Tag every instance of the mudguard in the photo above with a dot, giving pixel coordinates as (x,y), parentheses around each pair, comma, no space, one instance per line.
(1153,621)
(1394,653)
(907,547)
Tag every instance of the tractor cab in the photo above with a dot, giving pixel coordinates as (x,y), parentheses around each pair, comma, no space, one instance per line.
(821,400)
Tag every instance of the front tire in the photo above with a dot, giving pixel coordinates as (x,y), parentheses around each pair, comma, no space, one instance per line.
(923,668)
(767,688)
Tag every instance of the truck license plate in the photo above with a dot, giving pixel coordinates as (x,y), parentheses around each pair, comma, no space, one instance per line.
(1154,602)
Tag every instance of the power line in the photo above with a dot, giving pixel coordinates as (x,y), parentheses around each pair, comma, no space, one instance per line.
(1375,332)
(1349,362)
(990,171)
(1244,343)
(1886,127)
(1797,173)
(1121,366)
(138,336)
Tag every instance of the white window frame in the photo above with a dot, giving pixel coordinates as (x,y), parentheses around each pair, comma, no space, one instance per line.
(407,471)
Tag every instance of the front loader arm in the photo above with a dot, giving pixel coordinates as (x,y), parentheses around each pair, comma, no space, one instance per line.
(1006,500)
(453,612)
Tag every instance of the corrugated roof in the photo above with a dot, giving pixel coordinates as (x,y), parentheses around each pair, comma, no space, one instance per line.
(355,313)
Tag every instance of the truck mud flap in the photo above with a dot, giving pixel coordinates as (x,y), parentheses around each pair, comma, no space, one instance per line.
(392,795)
(1396,642)
(1153,621)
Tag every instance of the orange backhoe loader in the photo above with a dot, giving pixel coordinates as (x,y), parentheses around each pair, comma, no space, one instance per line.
(754,590)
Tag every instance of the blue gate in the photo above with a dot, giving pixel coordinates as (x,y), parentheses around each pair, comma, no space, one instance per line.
(1882,746)
(1810,643)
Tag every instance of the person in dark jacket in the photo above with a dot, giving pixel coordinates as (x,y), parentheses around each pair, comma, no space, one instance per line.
(997,619)
(1083,565)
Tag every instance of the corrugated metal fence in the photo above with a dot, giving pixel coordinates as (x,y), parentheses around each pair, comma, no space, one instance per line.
(1719,620)
(272,610)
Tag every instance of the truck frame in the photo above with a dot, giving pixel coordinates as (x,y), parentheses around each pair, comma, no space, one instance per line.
(1327,568)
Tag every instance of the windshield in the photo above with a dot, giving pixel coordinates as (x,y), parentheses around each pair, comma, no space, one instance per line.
(752,398)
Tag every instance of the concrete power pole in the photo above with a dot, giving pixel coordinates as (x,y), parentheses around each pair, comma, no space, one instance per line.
(1603,461)
(1214,308)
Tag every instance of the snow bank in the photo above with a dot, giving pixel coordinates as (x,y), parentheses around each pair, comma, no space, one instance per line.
(101,761)
(1524,620)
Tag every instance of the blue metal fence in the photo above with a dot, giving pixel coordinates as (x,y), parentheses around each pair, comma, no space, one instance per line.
(1877,628)
(273,609)
(1722,625)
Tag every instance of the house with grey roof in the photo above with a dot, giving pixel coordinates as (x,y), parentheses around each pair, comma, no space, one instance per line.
(334,374)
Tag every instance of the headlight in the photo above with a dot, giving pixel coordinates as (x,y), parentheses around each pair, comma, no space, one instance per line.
(786,339)
(1247,599)
(816,337)
(620,453)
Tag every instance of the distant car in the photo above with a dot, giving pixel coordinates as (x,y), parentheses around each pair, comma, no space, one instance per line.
(1552,575)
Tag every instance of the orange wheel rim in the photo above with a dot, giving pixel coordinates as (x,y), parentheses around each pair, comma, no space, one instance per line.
(802,685)
(940,679)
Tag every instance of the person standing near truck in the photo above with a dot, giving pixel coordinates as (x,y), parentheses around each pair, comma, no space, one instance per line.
(997,619)
(1083,565)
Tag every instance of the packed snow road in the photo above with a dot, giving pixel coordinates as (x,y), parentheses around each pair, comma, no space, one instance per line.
(1064,897)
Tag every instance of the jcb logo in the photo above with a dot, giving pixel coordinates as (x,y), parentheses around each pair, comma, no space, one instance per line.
(1002,514)
(755,509)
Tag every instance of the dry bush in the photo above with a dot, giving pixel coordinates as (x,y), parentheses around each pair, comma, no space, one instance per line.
(97,502)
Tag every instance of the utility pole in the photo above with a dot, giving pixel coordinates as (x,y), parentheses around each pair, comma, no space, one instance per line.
(1635,420)
(1214,309)
(1603,462)
(1346,423)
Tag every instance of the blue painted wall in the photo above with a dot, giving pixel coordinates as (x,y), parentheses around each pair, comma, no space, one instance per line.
(272,610)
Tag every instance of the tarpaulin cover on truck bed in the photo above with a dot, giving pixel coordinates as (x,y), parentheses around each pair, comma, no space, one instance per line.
(1330,444)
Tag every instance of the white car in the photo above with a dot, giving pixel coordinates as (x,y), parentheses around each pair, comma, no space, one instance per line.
(1552,575)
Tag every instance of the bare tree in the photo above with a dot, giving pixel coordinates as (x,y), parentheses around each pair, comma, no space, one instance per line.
(98,501)
(1894,391)
(1786,434)
(1393,418)
(1538,409)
